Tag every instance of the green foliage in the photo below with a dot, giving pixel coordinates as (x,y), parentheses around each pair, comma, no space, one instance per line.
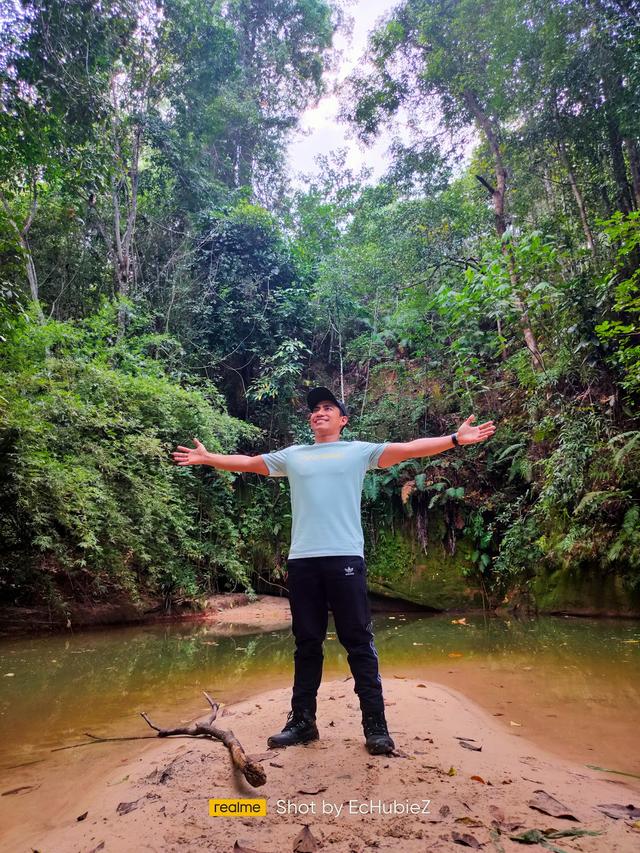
(520,555)
(622,329)
(164,128)
(280,372)
(482,536)
(586,505)
(91,500)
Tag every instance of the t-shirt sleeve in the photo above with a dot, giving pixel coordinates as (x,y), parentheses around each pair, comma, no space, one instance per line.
(372,453)
(276,462)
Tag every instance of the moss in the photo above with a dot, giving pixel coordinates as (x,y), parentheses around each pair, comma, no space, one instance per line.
(584,590)
(399,568)
(572,580)
(392,557)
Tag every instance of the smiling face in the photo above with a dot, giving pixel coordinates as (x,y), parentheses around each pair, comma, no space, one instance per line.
(326,421)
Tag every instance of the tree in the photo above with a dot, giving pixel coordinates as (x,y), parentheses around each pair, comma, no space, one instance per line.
(282,49)
(250,301)
(461,57)
(56,57)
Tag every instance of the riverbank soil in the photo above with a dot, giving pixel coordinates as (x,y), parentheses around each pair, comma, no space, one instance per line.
(434,793)
(266,613)
(18,621)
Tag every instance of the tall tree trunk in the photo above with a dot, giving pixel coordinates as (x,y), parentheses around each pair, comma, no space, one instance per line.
(549,193)
(244,157)
(607,205)
(374,329)
(254,19)
(503,350)
(124,221)
(23,239)
(633,154)
(498,194)
(582,210)
(619,166)
(341,365)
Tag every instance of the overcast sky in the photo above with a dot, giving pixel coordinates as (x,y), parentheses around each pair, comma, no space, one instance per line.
(320,132)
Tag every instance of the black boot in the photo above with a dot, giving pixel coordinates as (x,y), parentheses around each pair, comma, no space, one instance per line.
(378,741)
(299,728)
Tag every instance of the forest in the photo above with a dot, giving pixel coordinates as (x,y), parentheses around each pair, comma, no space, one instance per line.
(163,277)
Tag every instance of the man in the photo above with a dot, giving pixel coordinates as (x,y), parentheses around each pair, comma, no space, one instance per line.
(326,567)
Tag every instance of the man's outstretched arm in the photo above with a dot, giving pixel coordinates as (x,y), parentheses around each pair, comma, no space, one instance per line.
(466,434)
(199,455)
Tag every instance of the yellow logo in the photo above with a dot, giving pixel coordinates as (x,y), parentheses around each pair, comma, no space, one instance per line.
(336,455)
(242,807)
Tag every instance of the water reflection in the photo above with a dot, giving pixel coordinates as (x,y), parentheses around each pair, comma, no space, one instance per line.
(64,686)
(582,674)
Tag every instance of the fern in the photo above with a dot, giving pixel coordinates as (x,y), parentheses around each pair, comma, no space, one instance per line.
(512,449)
(599,497)
(628,538)
(371,487)
(620,455)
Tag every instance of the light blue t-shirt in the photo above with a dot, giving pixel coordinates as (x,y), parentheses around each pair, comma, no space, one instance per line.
(326,487)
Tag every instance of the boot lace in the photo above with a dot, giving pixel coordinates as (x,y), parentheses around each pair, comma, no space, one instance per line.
(295,719)
(375,724)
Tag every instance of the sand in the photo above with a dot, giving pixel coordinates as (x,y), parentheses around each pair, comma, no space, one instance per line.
(266,613)
(427,788)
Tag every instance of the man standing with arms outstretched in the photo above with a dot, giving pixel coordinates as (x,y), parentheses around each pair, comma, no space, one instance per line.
(326,567)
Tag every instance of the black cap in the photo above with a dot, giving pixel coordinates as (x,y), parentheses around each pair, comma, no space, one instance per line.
(317,395)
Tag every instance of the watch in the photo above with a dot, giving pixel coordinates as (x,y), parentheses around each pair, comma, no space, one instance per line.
(454,439)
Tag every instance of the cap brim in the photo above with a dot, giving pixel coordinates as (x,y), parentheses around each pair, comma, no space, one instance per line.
(317,395)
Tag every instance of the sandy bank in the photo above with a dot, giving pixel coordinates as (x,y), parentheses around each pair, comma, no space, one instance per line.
(21,621)
(170,783)
(266,613)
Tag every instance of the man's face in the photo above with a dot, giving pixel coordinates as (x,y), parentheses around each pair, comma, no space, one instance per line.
(326,418)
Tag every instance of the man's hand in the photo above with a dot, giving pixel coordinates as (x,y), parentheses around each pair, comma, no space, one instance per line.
(199,455)
(395,453)
(191,456)
(468,434)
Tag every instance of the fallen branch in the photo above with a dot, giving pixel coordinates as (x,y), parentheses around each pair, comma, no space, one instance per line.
(252,771)
(98,739)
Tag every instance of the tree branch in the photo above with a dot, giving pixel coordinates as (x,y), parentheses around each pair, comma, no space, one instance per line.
(252,771)
(486,184)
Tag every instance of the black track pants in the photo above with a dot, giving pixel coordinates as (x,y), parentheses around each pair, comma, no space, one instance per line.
(315,584)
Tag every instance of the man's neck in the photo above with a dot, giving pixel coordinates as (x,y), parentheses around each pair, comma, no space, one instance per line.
(326,439)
